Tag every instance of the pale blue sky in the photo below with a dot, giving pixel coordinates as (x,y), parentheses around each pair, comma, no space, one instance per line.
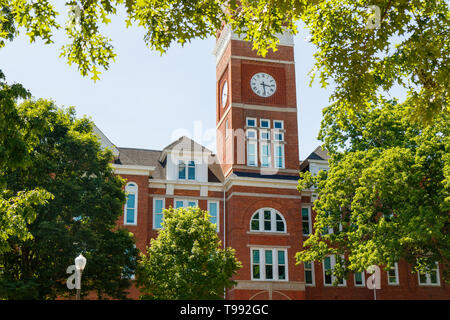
(144,100)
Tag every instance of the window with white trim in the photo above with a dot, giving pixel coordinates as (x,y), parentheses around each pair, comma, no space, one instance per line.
(430,278)
(252,153)
(269,264)
(279,155)
(251,122)
(278,136)
(328,277)
(264,135)
(359,279)
(251,134)
(265,155)
(309,273)
(278,124)
(181,170)
(265,123)
(184,203)
(213,209)
(189,169)
(306,221)
(130,208)
(158,215)
(267,220)
(392,275)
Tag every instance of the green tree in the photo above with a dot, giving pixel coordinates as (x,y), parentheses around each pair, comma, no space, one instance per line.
(185,261)
(68,162)
(387,193)
(365,47)
(17,209)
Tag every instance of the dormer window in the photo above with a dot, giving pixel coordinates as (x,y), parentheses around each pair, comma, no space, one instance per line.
(191,170)
(182,167)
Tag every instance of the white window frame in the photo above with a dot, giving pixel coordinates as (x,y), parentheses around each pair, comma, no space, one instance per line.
(154,213)
(262,264)
(279,121)
(185,170)
(218,212)
(313,275)
(428,278)
(309,220)
(264,131)
(363,277)
(269,157)
(276,157)
(278,132)
(185,202)
(226,128)
(397,278)
(261,121)
(273,221)
(252,131)
(131,190)
(333,277)
(247,125)
(188,165)
(255,155)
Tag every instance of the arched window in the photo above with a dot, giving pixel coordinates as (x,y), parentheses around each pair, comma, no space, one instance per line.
(130,209)
(267,220)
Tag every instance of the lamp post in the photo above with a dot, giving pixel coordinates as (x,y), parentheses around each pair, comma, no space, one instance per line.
(80,263)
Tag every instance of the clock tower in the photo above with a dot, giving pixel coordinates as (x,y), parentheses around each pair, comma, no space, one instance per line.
(257,147)
(256,107)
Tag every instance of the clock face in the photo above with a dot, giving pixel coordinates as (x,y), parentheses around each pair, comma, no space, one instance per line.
(224,94)
(263,84)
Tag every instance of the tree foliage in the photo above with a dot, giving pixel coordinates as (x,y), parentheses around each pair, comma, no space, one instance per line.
(386,195)
(185,261)
(86,201)
(17,209)
(365,47)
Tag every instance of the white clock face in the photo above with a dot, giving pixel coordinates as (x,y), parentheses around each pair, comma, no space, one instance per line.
(224,94)
(263,84)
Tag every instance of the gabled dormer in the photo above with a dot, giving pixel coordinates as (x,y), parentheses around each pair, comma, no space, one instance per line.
(186,160)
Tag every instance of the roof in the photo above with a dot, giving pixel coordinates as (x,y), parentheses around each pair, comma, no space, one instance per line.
(143,157)
(157,159)
(318,154)
(184,144)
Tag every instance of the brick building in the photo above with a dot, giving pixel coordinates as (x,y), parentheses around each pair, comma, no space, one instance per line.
(250,185)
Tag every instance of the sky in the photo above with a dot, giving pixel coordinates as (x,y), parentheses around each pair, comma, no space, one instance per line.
(146,100)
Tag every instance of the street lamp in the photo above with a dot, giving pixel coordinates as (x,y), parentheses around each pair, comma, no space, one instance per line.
(80,263)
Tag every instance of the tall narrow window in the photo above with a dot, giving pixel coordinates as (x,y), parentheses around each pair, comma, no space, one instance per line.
(430,278)
(281,265)
(252,152)
(191,170)
(256,273)
(181,170)
(359,279)
(213,208)
(306,221)
(393,275)
(265,155)
(268,264)
(158,206)
(130,209)
(279,155)
(309,273)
